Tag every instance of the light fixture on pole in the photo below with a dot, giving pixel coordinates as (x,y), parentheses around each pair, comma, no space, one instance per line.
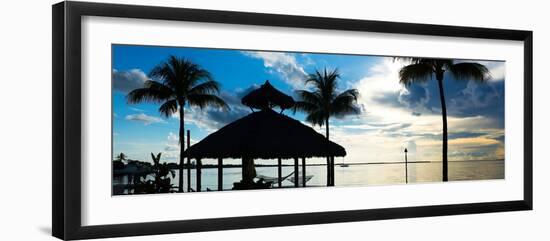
(406,168)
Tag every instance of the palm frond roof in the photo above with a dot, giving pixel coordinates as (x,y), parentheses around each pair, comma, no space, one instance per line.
(266,97)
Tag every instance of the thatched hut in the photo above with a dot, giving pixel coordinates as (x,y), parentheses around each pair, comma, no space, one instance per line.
(264,134)
(266,97)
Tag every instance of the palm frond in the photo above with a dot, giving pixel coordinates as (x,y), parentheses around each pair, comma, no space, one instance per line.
(417,72)
(306,107)
(168,108)
(429,61)
(197,75)
(208,87)
(470,71)
(353,93)
(433,62)
(182,81)
(180,74)
(317,117)
(153,92)
(310,97)
(413,60)
(330,78)
(203,100)
(191,74)
(324,82)
(163,90)
(316,79)
(163,72)
(324,101)
(340,110)
(344,103)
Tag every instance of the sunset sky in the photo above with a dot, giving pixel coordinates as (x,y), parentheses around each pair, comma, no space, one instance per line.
(392,116)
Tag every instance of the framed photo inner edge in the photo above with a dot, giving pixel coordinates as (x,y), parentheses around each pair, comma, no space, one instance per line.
(66,129)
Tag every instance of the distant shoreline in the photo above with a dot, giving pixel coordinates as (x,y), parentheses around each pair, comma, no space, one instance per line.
(205,166)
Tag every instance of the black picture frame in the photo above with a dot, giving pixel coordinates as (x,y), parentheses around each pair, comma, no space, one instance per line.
(66,47)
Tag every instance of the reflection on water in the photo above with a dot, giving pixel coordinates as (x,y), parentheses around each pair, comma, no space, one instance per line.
(356,175)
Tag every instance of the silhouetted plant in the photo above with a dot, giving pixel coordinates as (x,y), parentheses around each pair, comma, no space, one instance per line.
(324,101)
(180,83)
(117,165)
(161,182)
(424,69)
(138,170)
(162,172)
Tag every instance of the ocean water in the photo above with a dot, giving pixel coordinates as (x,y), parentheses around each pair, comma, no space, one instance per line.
(355,175)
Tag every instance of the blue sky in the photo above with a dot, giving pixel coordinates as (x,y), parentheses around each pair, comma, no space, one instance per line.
(393,116)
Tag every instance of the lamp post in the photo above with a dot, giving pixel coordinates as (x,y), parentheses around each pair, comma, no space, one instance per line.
(406,168)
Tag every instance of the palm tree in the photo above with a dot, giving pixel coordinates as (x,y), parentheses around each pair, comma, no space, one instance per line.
(423,69)
(121,157)
(180,83)
(324,102)
(118,162)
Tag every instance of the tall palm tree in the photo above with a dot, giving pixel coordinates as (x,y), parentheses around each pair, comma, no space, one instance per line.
(424,69)
(179,83)
(323,102)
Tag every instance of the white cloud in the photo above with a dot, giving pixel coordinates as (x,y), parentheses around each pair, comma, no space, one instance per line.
(284,64)
(498,71)
(136,109)
(474,98)
(410,145)
(172,137)
(143,118)
(307,60)
(126,81)
(388,126)
(383,81)
(172,146)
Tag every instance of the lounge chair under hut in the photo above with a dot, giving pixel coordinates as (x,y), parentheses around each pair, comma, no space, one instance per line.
(263,134)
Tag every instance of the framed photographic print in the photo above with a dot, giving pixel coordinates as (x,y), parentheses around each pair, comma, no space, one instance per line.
(169,120)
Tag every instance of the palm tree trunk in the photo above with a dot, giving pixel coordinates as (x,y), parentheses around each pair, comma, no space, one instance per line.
(182,147)
(444,116)
(329,175)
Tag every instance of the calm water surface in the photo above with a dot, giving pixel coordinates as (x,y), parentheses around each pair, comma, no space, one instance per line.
(356,175)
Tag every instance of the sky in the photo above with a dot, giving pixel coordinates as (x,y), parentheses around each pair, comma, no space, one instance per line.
(393,116)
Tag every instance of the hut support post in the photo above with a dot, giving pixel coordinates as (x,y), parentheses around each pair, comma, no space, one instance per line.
(220,174)
(332,170)
(279,172)
(296,179)
(328,172)
(199,172)
(243,170)
(188,162)
(303,172)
